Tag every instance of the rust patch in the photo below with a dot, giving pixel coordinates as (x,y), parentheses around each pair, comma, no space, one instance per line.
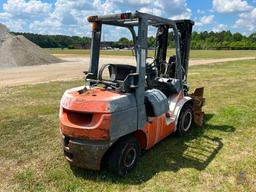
(198,103)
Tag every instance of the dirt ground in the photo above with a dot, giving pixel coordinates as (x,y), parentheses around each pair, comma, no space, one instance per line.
(73,69)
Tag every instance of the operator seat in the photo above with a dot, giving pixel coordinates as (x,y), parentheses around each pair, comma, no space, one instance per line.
(167,82)
(167,70)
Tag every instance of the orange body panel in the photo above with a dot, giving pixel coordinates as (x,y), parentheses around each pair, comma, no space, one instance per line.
(93,101)
(157,129)
(97,128)
(86,116)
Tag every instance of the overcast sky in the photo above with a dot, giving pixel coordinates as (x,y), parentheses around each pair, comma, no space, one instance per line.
(69,16)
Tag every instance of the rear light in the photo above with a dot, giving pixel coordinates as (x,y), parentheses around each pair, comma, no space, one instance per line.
(92,18)
(125,16)
(94,26)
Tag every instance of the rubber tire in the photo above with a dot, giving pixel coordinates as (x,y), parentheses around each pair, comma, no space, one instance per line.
(115,160)
(187,108)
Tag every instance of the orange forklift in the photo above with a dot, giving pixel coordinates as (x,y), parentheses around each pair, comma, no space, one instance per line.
(108,121)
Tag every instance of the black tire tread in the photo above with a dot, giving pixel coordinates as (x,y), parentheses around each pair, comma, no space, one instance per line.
(116,153)
(179,130)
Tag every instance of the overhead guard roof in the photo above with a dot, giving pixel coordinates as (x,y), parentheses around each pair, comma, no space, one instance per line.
(132,19)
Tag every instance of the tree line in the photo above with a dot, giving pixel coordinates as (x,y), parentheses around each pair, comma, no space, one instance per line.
(223,40)
(200,40)
(57,41)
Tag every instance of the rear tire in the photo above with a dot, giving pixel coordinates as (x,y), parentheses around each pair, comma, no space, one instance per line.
(124,156)
(185,121)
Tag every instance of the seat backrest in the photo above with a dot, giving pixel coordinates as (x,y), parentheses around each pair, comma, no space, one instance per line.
(120,72)
(167,70)
(156,103)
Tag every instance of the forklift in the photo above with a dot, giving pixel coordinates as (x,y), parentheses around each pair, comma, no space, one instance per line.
(112,118)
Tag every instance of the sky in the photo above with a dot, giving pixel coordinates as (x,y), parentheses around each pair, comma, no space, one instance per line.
(68,17)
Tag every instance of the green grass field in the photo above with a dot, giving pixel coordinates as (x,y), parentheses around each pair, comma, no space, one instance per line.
(218,157)
(195,54)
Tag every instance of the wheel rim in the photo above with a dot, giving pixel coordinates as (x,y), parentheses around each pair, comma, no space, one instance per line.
(187,120)
(129,157)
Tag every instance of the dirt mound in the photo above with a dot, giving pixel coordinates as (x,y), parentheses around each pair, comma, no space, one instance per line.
(4,33)
(19,51)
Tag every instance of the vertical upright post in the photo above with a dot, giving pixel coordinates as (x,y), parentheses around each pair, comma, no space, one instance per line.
(134,38)
(178,67)
(141,64)
(95,50)
(162,43)
(185,29)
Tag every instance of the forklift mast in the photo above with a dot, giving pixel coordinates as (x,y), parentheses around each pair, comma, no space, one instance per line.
(161,44)
(185,30)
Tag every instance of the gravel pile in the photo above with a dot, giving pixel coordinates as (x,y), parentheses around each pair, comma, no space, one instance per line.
(19,51)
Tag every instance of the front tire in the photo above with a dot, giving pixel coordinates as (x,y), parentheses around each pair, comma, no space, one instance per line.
(124,156)
(185,121)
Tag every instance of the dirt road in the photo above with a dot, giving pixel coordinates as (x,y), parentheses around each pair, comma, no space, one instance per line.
(72,69)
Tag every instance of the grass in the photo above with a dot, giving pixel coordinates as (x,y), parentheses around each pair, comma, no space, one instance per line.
(195,54)
(218,157)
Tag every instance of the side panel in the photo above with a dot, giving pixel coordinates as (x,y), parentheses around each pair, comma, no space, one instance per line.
(123,123)
(156,129)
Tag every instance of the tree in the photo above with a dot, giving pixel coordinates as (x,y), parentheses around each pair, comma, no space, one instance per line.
(237,37)
(252,37)
(151,41)
(124,41)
